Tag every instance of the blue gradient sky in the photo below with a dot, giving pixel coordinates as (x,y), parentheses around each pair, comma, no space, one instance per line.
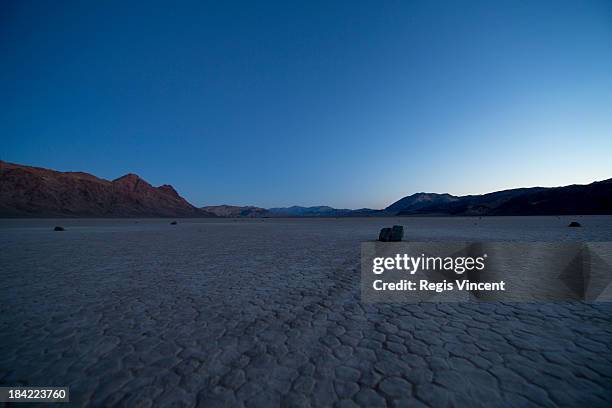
(349,104)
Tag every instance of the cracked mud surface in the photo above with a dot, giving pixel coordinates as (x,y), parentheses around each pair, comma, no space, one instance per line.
(267,313)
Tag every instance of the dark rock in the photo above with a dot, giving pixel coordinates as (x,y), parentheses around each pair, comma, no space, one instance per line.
(574,224)
(173,223)
(397,233)
(59,229)
(394,234)
(385,235)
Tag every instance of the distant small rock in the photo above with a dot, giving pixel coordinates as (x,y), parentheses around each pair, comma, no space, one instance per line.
(394,234)
(173,223)
(574,224)
(58,228)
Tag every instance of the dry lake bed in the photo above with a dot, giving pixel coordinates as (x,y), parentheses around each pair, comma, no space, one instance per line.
(267,313)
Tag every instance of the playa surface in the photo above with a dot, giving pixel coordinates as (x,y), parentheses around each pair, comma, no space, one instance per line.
(267,312)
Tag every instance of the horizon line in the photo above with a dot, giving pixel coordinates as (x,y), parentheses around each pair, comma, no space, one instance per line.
(307,206)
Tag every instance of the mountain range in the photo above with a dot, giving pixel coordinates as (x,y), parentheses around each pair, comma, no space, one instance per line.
(234,211)
(27,191)
(594,198)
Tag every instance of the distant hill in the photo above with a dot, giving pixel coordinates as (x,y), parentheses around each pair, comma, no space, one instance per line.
(594,198)
(233,211)
(27,191)
(236,211)
(297,211)
(418,201)
(320,211)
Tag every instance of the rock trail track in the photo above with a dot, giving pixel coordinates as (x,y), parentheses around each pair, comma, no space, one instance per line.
(269,314)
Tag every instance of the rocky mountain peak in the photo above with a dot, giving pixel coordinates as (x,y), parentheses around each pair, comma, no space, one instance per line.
(34,191)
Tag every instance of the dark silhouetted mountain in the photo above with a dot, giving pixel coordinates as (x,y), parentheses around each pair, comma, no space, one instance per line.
(594,198)
(36,192)
(418,201)
(233,211)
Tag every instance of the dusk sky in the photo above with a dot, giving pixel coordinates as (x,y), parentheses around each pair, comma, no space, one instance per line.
(349,104)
